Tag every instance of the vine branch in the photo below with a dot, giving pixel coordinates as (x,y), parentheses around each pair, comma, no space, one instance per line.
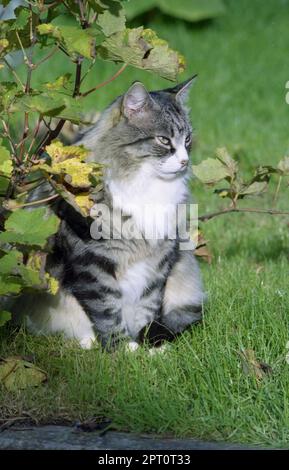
(227,210)
(86,93)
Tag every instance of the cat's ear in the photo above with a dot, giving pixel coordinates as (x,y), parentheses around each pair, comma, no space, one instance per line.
(181,91)
(136,99)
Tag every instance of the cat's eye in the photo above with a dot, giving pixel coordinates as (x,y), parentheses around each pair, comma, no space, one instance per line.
(163,140)
(188,139)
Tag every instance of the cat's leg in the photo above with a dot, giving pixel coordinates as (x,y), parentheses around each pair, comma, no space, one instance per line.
(92,281)
(142,292)
(46,314)
(183,295)
(88,272)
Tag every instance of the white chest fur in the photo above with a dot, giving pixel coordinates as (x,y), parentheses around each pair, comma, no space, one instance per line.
(151,201)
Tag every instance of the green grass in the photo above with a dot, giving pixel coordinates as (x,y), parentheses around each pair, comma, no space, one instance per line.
(198,388)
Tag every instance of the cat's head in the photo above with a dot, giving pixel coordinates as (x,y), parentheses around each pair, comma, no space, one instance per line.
(148,130)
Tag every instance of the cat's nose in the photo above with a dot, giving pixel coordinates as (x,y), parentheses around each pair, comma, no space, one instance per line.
(184,162)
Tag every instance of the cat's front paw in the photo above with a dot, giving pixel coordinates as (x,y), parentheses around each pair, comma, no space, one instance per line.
(87,342)
(155,334)
(131,346)
(178,319)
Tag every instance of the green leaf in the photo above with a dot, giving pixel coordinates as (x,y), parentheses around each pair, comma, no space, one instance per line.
(211,171)
(20,24)
(136,8)
(8,92)
(192,10)
(4,183)
(4,43)
(4,317)
(72,111)
(10,262)
(30,227)
(46,105)
(143,49)
(283,166)
(257,187)
(6,166)
(112,19)
(262,173)
(225,158)
(9,285)
(61,82)
(9,265)
(22,19)
(75,39)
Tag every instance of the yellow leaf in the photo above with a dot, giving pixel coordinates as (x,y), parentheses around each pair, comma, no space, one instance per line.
(58,152)
(70,162)
(76,173)
(202,249)
(84,202)
(17,374)
(52,284)
(251,366)
(37,262)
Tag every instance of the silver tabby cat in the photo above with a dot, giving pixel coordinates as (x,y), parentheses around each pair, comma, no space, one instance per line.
(132,287)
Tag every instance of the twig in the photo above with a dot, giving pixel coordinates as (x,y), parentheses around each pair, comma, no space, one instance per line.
(83,20)
(36,130)
(76,91)
(69,10)
(14,73)
(46,57)
(21,46)
(88,70)
(40,201)
(227,210)
(7,134)
(62,48)
(83,95)
(47,125)
(30,66)
(49,136)
(53,133)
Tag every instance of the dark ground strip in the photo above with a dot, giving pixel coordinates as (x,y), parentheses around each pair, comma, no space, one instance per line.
(53,437)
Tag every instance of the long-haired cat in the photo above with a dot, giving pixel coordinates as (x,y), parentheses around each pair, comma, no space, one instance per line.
(127,286)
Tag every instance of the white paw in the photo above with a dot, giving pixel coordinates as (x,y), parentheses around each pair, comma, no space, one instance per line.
(161,350)
(87,342)
(132,346)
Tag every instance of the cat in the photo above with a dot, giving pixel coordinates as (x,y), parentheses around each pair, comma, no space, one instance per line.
(127,286)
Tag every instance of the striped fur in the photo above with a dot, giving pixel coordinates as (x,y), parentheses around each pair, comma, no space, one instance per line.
(122,286)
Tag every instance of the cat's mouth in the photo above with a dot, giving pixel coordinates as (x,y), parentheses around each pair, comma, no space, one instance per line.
(179,171)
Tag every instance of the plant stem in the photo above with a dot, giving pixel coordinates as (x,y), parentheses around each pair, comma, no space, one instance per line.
(21,46)
(46,57)
(40,201)
(35,133)
(76,91)
(277,190)
(53,133)
(227,210)
(14,73)
(30,66)
(83,20)
(8,135)
(83,95)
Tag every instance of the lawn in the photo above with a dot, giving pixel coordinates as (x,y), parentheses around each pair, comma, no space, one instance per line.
(199,388)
